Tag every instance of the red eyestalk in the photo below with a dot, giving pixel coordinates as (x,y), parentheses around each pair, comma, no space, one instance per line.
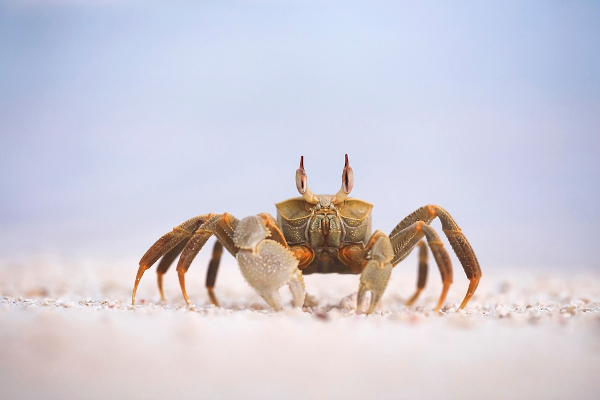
(347,177)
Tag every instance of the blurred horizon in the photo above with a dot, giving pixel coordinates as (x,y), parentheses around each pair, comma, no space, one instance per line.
(118,121)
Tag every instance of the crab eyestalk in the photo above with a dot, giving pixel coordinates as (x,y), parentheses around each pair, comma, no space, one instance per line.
(302,184)
(347,183)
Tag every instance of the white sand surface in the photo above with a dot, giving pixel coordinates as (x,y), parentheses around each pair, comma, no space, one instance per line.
(68,331)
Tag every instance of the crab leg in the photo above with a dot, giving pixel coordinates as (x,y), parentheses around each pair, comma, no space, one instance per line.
(215,224)
(166,243)
(165,263)
(211,274)
(403,239)
(412,234)
(422,277)
(192,232)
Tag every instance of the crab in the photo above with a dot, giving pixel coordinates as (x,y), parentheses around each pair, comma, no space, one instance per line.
(315,234)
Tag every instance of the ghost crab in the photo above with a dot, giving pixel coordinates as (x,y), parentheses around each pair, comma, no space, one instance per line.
(315,234)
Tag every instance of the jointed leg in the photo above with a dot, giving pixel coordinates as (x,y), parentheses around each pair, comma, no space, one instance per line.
(213,225)
(403,243)
(165,263)
(194,233)
(166,243)
(213,268)
(422,277)
(189,238)
(406,239)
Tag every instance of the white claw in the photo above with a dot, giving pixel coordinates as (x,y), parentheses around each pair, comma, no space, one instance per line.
(249,232)
(376,273)
(374,278)
(267,265)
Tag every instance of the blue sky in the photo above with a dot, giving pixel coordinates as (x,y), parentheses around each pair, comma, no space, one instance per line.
(119,121)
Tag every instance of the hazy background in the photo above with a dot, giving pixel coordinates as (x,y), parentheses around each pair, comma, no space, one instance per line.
(119,121)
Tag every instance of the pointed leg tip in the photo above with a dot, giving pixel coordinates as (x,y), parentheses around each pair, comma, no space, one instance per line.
(442,299)
(439,305)
(213,297)
(464,304)
(159,277)
(181,274)
(133,295)
(186,298)
(470,292)
(138,278)
(466,300)
(414,298)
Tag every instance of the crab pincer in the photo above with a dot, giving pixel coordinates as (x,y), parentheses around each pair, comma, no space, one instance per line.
(376,272)
(266,264)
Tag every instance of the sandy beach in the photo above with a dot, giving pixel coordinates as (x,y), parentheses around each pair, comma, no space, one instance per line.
(71,333)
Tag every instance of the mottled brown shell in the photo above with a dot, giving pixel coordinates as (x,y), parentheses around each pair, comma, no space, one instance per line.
(293,216)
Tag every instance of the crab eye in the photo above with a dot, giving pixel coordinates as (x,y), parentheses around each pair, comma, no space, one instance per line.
(301,177)
(347,177)
(301,181)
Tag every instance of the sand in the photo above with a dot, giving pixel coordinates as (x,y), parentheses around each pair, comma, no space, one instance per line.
(68,331)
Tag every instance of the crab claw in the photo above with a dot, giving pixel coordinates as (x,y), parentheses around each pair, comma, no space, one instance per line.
(267,265)
(376,272)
